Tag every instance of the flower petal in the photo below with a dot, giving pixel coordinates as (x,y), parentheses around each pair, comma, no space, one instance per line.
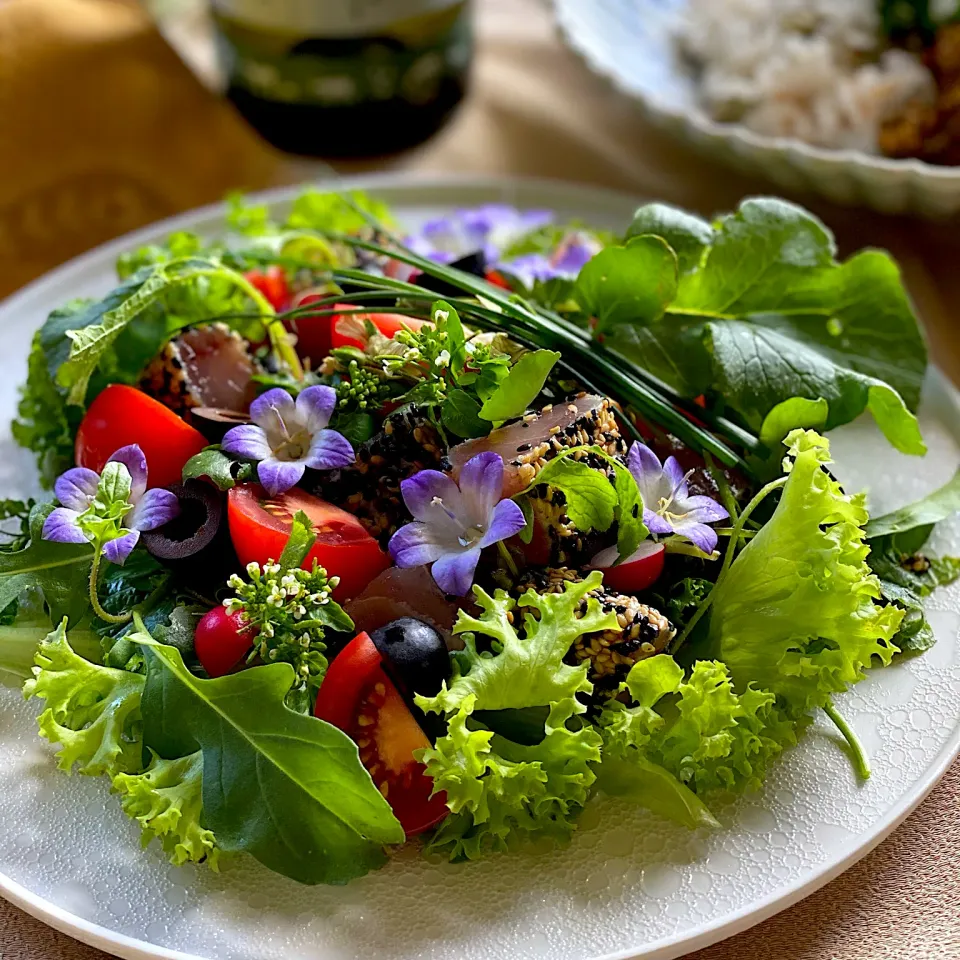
(61,526)
(157,507)
(315,407)
(506,520)
(655,523)
(246,441)
(700,508)
(570,257)
(278,476)
(415,544)
(76,487)
(643,463)
(699,534)
(675,478)
(264,410)
(529,268)
(427,486)
(454,571)
(117,551)
(132,457)
(481,487)
(329,449)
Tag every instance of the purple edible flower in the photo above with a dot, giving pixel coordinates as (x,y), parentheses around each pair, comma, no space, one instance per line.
(288,435)
(115,506)
(452,523)
(667,504)
(566,261)
(490,228)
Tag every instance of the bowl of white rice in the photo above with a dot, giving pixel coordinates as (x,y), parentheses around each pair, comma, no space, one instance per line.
(810,93)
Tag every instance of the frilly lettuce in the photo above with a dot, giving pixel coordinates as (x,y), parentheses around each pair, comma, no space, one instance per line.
(799,613)
(166,800)
(500,791)
(93,712)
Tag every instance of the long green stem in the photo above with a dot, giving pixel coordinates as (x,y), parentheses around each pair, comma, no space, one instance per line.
(727,559)
(94,582)
(507,559)
(859,756)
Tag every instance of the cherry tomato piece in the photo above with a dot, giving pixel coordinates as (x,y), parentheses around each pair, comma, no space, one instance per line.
(348,330)
(121,415)
(497,279)
(272,283)
(358,697)
(312,332)
(638,572)
(260,525)
(221,642)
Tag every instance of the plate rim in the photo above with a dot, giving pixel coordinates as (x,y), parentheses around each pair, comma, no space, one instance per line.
(666,948)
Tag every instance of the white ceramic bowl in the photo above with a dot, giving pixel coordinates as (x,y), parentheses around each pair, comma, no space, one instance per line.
(630,42)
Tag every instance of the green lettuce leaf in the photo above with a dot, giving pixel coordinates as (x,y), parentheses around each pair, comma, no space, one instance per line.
(60,571)
(521,669)
(166,800)
(336,212)
(515,392)
(798,613)
(287,788)
(763,313)
(498,790)
(221,469)
(92,711)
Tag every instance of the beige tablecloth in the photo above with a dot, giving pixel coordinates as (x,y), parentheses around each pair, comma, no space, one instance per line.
(103,129)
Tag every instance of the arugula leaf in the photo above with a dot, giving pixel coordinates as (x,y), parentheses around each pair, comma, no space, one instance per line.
(460,414)
(59,570)
(356,426)
(221,469)
(520,387)
(165,799)
(92,711)
(267,769)
(764,313)
(822,622)
(931,509)
(630,284)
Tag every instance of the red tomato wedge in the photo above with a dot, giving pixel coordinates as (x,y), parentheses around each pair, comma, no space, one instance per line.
(260,525)
(348,329)
(272,283)
(121,415)
(357,697)
(639,571)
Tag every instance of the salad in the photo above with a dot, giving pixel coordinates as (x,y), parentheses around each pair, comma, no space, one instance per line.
(356,539)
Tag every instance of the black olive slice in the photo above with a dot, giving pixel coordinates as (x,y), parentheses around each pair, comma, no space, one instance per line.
(214,422)
(201,514)
(475,263)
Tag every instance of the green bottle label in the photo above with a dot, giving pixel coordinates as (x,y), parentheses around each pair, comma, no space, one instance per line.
(343,54)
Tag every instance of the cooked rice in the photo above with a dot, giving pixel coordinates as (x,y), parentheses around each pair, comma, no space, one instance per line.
(809,69)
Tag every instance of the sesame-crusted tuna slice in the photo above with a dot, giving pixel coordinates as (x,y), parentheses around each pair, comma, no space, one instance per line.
(527,444)
(643,631)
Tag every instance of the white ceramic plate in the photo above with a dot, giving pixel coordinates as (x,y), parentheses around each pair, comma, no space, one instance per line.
(630,42)
(629,885)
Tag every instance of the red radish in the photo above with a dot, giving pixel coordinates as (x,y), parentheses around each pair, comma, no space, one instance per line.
(639,571)
(221,642)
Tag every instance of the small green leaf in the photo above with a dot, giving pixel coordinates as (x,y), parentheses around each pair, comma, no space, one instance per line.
(447,319)
(788,415)
(357,427)
(520,387)
(460,414)
(633,284)
(218,467)
(688,235)
(526,534)
(630,526)
(591,498)
(115,483)
(937,506)
(299,543)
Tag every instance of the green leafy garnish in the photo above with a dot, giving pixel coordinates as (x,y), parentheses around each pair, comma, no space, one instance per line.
(806,569)
(221,469)
(520,387)
(763,313)
(262,769)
